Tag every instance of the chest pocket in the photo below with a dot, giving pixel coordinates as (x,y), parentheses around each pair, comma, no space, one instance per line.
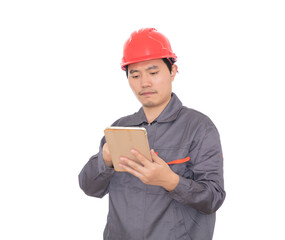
(178,160)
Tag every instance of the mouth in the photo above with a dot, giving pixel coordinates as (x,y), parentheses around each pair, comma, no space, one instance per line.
(147,93)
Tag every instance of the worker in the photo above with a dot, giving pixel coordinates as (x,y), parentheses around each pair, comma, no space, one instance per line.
(176,194)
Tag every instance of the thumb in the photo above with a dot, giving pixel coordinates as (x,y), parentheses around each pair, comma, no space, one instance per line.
(155,157)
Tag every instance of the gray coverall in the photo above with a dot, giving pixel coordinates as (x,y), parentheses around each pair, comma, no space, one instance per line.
(138,211)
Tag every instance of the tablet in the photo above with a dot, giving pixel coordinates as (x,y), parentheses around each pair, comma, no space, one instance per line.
(122,139)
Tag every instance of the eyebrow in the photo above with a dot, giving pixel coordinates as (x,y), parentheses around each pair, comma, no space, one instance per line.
(133,71)
(152,67)
(148,69)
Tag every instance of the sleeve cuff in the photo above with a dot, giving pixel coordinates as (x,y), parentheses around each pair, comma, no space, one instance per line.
(181,189)
(102,167)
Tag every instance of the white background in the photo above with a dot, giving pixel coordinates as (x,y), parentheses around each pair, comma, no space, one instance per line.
(61,85)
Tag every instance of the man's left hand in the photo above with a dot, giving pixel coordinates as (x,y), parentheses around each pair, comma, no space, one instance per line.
(152,173)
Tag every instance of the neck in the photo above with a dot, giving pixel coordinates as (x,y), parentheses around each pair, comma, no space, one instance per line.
(152,113)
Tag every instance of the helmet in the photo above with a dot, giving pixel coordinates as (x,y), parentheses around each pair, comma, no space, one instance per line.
(146,44)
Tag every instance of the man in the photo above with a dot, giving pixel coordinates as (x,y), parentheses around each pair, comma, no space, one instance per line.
(176,195)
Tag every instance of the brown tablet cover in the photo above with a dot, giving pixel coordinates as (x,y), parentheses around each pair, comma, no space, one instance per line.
(122,139)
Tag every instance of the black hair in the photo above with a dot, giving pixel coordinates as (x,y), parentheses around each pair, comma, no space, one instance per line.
(168,61)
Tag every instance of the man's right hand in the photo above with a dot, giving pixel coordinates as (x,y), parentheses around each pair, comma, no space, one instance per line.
(107,156)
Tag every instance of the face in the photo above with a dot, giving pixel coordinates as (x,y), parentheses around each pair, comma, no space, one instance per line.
(151,82)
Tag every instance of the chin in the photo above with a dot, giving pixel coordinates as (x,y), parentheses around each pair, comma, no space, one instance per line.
(149,104)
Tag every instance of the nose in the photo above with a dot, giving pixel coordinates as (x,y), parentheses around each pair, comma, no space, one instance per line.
(145,81)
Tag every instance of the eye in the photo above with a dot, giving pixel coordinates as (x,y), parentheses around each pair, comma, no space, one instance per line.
(135,76)
(154,73)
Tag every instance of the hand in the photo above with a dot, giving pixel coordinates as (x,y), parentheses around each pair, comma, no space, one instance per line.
(107,156)
(152,173)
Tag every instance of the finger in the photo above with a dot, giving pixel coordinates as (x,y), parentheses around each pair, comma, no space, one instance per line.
(131,170)
(155,157)
(134,165)
(144,161)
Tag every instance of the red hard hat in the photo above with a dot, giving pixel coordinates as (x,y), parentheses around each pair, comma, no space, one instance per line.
(146,44)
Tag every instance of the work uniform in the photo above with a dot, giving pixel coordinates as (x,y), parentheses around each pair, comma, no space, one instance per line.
(189,142)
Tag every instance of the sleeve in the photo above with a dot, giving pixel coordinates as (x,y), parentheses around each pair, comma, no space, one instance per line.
(95,176)
(205,190)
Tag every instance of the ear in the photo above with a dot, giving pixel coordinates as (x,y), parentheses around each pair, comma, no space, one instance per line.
(173,71)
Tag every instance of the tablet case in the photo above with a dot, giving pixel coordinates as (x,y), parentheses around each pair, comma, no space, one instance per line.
(122,139)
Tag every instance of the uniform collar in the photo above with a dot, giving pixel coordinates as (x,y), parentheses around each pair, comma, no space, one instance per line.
(169,114)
